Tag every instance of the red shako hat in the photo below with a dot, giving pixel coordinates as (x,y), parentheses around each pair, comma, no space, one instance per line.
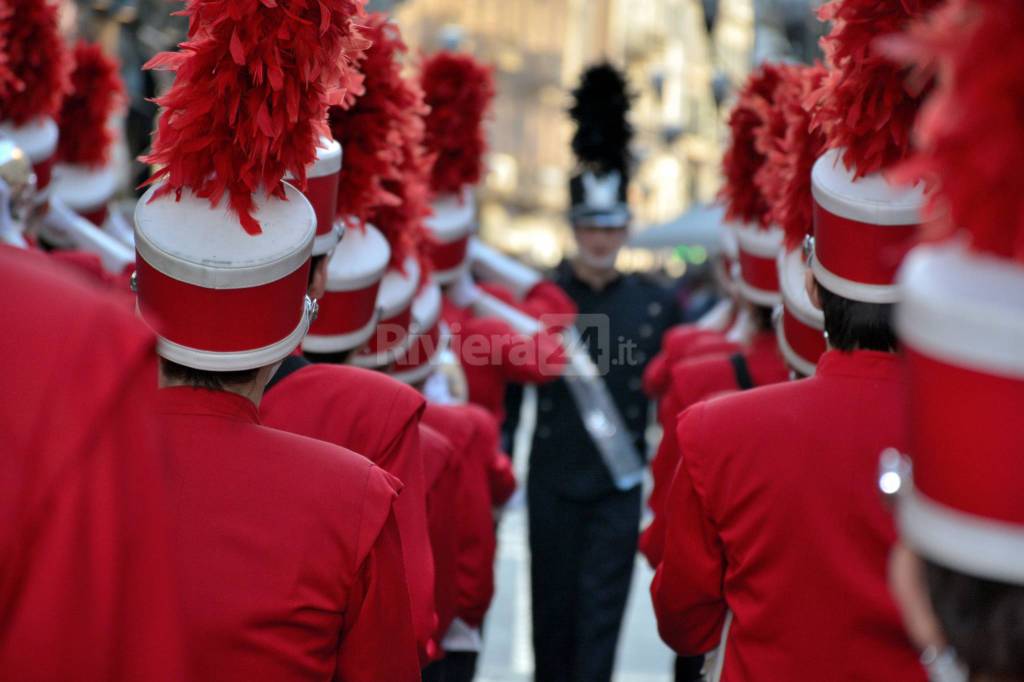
(419,360)
(458,90)
(223,243)
(790,148)
(746,206)
(371,130)
(863,224)
(35,80)
(961,320)
(84,177)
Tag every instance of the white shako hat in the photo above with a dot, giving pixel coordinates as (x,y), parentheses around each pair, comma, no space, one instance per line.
(348,312)
(86,190)
(961,326)
(322,178)
(863,228)
(419,360)
(38,139)
(800,326)
(392,337)
(221,299)
(758,252)
(450,227)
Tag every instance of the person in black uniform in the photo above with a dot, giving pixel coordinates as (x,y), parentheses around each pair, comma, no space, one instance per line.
(584,528)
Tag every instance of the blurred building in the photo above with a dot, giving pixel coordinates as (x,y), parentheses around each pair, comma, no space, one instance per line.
(681,62)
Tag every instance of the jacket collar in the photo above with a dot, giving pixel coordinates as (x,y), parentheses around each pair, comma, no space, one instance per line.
(201,401)
(868,364)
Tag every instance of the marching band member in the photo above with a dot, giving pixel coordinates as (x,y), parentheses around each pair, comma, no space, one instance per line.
(754,361)
(492,352)
(287,548)
(771,513)
(85,585)
(958,573)
(312,395)
(584,518)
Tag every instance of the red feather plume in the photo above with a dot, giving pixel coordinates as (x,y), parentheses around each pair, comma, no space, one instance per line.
(865,104)
(401,221)
(790,148)
(458,90)
(37,62)
(744,201)
(96,91)
(970,134)
(249,102)
(371,130)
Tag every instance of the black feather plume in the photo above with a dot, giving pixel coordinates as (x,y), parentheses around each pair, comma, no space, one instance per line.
(601,110)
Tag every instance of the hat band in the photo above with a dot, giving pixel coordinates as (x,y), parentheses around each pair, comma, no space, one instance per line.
(965,446)
(421,351)
(860,252)
(221,320)
(446,256)
(44,172)
(804,341)
(96,216)
(759,272)
(965,542)
(338,343)
(391,333)
(322,193)
(343,312)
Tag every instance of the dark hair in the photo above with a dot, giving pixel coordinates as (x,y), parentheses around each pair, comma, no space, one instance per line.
(338,358)
(313,263)
(763,315)
(854,325)
(982,619)
(201,378)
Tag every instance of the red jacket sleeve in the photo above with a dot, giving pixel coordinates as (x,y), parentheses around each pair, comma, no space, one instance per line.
(687,591)
(663,470)
(475,527)
(442,518)
(378,642)
(547,299)
(403,459)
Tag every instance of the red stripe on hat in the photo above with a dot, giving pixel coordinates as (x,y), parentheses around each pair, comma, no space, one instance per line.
(44,171)
(447,256)
(759,272)
(956,414)
(860,252)
(390,332)
(804,340)
(322,192)
(343,312)
(221,320)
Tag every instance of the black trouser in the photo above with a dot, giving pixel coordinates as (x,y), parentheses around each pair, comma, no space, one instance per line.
(687,668)
(582,555)
(456,666)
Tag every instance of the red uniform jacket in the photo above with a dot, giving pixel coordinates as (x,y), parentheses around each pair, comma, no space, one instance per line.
(694,380)
(774,514)
(287,550)
(492,353)
(86,592)
(444,479)
(461,424)
(378,417)
(680,343)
